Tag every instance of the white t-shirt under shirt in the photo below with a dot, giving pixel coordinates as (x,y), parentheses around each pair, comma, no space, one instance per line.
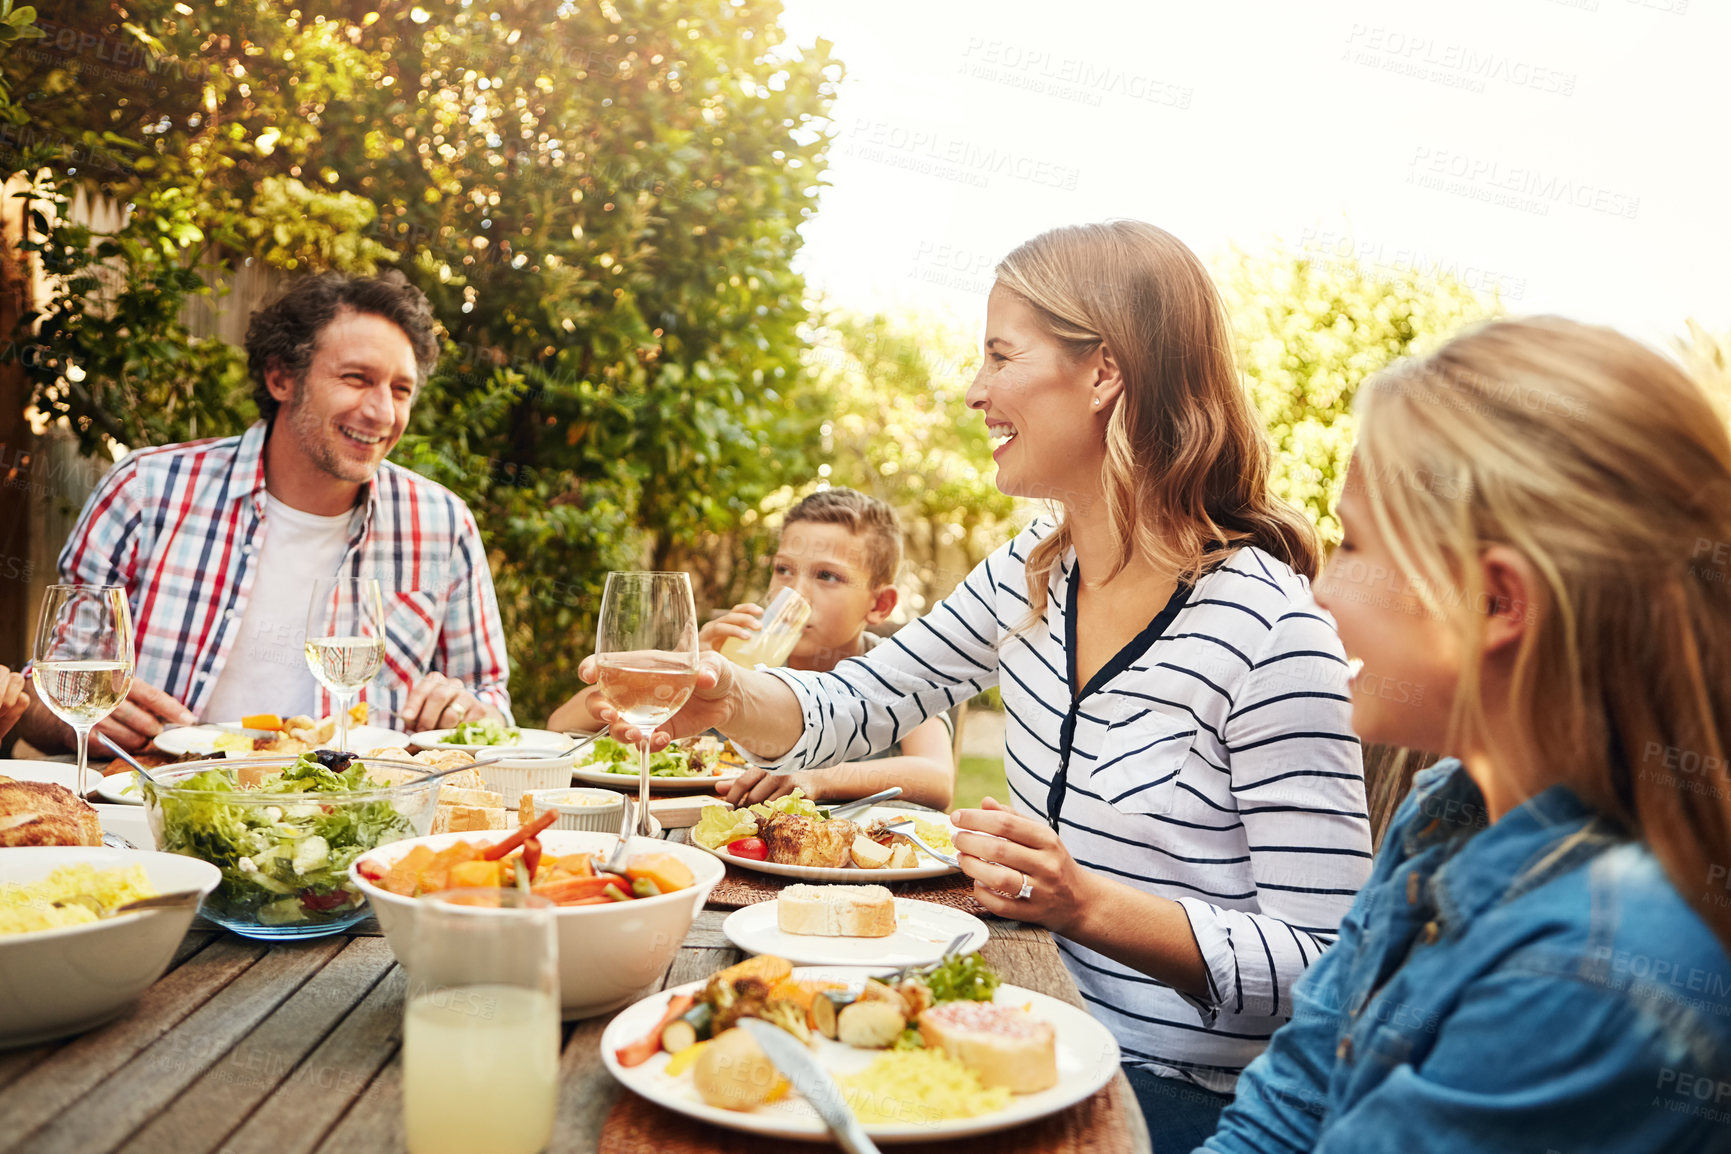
(266,671)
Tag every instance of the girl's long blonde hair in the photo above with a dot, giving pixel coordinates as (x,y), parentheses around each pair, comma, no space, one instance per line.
(1607,468)
(1187,463)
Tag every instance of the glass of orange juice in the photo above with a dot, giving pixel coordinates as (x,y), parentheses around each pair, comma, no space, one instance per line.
(481,1024)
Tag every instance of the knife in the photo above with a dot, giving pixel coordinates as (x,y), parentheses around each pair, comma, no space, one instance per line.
(813,1083)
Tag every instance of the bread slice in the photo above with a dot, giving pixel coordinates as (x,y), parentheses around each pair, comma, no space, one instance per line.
(1002,1045)
(837,911)
(468,818)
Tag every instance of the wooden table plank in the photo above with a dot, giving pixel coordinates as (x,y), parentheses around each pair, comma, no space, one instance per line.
(231,1089)
(81,1066)
(155,1078)
(333,1079)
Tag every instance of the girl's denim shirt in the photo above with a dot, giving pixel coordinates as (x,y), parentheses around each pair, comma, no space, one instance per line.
(1535,985)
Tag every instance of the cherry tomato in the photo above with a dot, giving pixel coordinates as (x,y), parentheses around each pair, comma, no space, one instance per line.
(749,847)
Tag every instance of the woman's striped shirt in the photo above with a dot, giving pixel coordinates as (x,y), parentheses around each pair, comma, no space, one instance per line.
(1211,762)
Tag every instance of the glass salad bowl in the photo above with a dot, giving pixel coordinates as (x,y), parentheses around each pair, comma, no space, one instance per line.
(283,831)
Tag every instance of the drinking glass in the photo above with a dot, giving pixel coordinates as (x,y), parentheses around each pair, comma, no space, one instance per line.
(646,653)
(345,640)
(773,642)
(82,663)
(481,1024)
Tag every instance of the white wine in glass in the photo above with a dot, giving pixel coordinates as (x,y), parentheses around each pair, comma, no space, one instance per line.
(82,666)
(345,641)
(646,655)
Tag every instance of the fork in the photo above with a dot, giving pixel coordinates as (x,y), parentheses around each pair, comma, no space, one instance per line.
(617,861)
(905,827)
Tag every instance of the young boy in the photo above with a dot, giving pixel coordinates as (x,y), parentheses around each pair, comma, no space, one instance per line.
(840,549)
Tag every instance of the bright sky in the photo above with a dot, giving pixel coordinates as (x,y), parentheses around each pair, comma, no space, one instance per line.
(1570,151)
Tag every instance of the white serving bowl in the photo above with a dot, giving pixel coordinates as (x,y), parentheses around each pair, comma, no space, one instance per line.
(59,982)
(608,954)
(582,808)
(513,777)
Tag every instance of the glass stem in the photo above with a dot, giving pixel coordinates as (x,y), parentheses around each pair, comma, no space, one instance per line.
(342,721)
(83,760)
(643,791)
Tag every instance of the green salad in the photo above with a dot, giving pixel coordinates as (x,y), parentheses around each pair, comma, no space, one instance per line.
(487,731)
(612,756)
(281,864)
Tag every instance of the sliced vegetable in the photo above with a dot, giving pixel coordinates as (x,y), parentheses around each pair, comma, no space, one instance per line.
(521,834)
(569,890)
(531,855)
(827,1007)
(638,1052)
(870,1025)
(667,872)
(753,848)
(689,1029)
(477,874)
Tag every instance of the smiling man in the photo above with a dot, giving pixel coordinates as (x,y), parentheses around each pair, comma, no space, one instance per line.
(219,542)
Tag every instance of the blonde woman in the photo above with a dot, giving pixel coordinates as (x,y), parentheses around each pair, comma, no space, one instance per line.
(1538,961)
(1187,809)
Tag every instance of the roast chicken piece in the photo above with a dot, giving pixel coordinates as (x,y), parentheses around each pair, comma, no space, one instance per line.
(805,841)
(39,813)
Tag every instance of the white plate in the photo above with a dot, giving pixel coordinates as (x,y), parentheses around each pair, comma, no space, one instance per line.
(928,867)
(589,775)
(111,788)
(923,929)
(52,772)
(202,738)
(127,821)
(1087,1059)
(536,739)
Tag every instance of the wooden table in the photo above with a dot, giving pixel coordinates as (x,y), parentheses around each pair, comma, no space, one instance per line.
(248,1047)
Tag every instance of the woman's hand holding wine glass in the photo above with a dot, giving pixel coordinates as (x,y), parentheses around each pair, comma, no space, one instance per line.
(646,659)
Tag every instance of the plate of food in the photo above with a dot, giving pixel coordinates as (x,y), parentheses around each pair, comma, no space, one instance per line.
(794,837)
(700,763)
(120,788)
(947,1052)
(474,736)
(860,925)
(266,733)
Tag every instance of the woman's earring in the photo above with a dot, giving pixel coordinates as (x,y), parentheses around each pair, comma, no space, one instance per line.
(1096,402)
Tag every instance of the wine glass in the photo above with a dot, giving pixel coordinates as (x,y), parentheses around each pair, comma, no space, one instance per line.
(82,664)
(345,640)
(646,654)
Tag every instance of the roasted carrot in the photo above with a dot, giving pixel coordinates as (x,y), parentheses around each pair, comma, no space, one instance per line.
(567,890)
(521,834)
(638,1052)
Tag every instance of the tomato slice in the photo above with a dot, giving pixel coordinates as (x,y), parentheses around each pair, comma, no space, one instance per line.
(753,848)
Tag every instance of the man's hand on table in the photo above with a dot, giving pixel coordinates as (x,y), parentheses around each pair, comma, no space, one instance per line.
(13,701)
(440,702)
(146,711)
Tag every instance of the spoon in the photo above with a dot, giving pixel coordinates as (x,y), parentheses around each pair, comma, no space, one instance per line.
(619,859)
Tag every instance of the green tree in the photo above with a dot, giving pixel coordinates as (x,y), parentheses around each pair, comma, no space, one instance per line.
(899,430)
(600,199)
(1308,331)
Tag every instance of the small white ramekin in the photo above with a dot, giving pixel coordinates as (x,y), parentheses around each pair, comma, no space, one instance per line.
(514,777)
(602,815)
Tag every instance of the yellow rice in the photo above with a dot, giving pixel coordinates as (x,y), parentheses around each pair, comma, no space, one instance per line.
(29,906)
(918,1087)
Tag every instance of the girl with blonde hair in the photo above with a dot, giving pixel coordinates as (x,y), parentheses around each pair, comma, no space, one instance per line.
(1187,810)
(1533,577)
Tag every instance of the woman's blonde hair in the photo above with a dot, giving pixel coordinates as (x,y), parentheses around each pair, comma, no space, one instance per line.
(1607,468)
(1187,463)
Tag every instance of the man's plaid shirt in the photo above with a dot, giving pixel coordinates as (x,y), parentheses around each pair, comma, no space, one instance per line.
(180,527)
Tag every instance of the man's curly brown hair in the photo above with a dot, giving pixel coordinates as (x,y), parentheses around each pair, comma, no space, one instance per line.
(285,332)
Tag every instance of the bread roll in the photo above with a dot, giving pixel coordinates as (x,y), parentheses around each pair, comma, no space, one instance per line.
(837,911)
(1002,1045)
